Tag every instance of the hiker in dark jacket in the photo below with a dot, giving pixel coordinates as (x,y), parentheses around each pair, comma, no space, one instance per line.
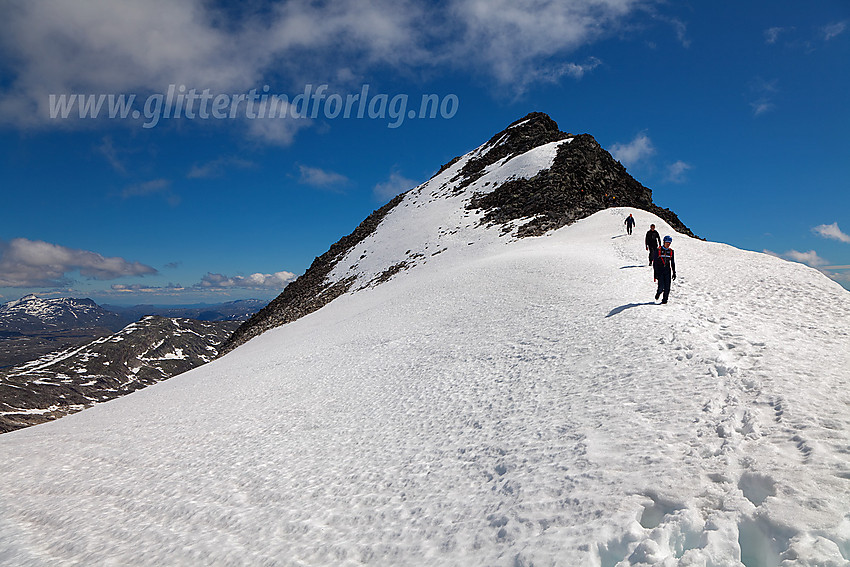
(665,269)
(653,242)
(630,222)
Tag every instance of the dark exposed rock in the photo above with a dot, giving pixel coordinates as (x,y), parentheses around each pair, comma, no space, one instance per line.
(535,129)
(448,165)
(583,179)
(389,272)
(18,348)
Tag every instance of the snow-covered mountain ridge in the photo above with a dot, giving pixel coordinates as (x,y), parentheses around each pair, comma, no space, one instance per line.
(32,313)
(526,180)
(478,376)
(527,403)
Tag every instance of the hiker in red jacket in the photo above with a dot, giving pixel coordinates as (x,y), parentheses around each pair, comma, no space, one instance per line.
(665,269)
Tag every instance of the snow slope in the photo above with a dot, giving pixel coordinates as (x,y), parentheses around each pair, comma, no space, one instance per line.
(433,218)
(504,403)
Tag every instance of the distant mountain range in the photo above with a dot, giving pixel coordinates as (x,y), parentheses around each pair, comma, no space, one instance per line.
(31,314)
(239,310)
(148,351)
(32,327)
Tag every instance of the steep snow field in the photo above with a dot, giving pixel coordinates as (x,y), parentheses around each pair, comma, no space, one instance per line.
(504,403)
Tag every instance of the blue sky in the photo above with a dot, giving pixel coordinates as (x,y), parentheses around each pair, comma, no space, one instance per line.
(734,114)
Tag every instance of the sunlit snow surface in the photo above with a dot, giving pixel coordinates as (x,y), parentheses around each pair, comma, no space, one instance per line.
(504,403)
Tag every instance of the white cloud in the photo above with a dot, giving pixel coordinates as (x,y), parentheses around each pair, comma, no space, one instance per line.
(680,27)
(771,35)
(633,152)
(153,187)
(143,46)
(216,167)
(146,188)
(278,131)
(833,30)
(842,275)
(576,70)
(676,171)
(317,177)
(762,106)
(258,281)
(214,283)
(682,32)
(808,45)
(831,231)
(35,263)
(552,73)
(114,46)
(512,38)
(761,93)
(809,258)
(393,186)
(842,278)
(108,150)
(141,288)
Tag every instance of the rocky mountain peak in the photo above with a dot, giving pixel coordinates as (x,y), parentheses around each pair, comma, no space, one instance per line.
(583,179)
(33,314)
(528,179)
(535,129)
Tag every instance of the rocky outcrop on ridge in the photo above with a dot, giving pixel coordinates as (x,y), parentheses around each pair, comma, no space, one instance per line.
(584,179)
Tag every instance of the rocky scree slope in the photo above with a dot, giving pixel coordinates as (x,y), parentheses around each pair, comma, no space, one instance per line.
(582,179)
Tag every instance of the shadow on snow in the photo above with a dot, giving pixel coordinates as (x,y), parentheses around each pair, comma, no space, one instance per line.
(622,308)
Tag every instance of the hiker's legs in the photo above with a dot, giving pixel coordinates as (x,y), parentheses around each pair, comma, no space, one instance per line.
(662,276)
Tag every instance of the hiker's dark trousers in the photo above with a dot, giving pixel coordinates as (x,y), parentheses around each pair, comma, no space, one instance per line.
(664,278)
(652,252)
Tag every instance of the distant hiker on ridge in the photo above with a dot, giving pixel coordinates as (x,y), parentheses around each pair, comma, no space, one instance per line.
(630,222)
(653,242)
(664,266)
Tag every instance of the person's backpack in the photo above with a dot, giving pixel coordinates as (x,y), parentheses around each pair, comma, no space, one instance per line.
(663,255)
